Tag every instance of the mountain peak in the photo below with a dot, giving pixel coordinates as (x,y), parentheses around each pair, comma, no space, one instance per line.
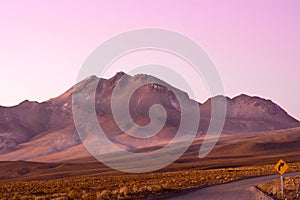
(265,104)
(118,75)
(247,97)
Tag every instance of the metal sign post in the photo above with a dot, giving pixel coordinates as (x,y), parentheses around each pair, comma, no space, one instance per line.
(281,180)
(281,167)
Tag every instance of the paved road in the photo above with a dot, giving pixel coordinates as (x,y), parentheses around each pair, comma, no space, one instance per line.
(232,191)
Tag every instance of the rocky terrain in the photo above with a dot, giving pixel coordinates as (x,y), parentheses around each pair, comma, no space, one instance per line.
(46,131)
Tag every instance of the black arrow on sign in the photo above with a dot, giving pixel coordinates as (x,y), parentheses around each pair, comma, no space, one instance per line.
(280,165)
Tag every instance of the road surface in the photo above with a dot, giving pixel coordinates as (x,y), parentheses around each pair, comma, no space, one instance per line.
(243,190)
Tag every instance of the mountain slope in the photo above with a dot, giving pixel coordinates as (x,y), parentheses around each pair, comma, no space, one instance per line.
(31,130)
(252,114)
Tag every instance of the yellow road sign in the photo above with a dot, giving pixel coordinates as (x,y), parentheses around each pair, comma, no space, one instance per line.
(281,166)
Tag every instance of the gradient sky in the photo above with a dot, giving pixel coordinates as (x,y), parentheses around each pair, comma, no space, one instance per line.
(255,45)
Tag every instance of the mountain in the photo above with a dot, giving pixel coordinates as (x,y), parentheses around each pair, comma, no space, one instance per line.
(46,131)
(252,114)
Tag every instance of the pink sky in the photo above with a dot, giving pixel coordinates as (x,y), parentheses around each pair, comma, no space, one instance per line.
(254,44)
